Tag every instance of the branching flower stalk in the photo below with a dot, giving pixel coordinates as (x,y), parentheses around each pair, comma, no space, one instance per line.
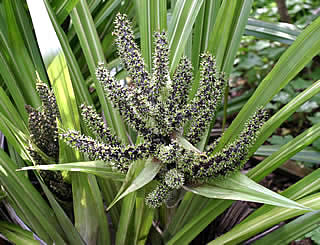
(155,105)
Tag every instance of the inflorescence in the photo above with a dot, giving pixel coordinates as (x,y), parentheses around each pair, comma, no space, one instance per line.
(44,136)
(156,107)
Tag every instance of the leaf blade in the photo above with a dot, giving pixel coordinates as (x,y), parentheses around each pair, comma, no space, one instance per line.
(144,177)
(240,187)
(98,168)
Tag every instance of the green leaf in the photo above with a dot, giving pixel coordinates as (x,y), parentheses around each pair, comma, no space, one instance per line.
(98,168)
(203,28)
(90,217)
(315,119)
(308,106)
(301,189)
(10,80)
(300,83)
(56,65)
(10,112)
(198,222)
(260,45)
(93,53)
(23,67)
(183,18)
(72,234)
(127,209)
(314,235)
(152,17)
(143,218)
(250,61)
(109,191)
(285,153)
(306,155)
(26,28)
(105,12)
(306,46)
(281,97)
(276,120)
(280,140)
(242,232)
(78,82)
(145,176)
(28,203)
(281,32)
(316,144)
(292,231)
(16,234)
(227,32)
(62,8)
(14,136)
(240,187)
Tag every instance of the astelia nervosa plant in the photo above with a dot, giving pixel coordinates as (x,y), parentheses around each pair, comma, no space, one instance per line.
(155,106)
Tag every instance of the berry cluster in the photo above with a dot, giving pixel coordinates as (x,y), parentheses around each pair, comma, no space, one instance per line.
(156,106)
(44,136)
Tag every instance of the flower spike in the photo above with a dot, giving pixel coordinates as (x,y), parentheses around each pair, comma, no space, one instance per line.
(42,125)
(160,75)
(129,52)
(178,95)
(97,125)
(207,99)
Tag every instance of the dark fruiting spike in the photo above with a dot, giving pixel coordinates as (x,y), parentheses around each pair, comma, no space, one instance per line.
(117,156)
(174,179)
(177,97)
(160,71)
(96,124)
(207,99)
(235,154)
(129,52)
(155,198)
(44,134)
(122,98)
(43,131)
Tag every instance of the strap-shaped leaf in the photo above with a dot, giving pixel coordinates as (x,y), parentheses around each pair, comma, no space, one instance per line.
(88,210)
(16,234)
(240,187)
(306,155)
(281,32)
(98,168)
(145,176)
(242,232)
(299,54)
(183,18)
(63,8)
(28,203)
(293,230)
(56,65)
